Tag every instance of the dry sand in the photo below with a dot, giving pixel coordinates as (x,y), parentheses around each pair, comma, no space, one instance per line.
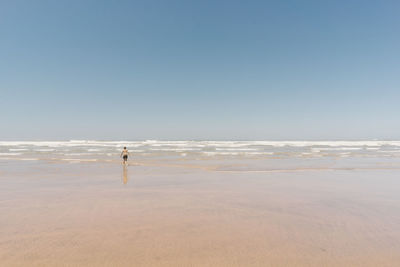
(103,215)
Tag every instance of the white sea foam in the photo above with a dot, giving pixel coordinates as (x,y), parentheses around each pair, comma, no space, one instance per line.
(335,148)
(258,153)
(208,153)
(175,149)
(236,149)
(10,154)
(200,143)
(76,154)
(87,149)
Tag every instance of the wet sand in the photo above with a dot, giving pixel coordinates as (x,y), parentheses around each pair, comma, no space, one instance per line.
(96,214)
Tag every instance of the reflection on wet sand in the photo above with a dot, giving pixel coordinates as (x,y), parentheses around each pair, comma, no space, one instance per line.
(125,174)
(80,215)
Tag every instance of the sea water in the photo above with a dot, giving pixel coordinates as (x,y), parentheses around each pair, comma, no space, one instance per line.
(370,153)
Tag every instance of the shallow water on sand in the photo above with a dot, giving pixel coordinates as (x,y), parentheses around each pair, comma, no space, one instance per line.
(220,212)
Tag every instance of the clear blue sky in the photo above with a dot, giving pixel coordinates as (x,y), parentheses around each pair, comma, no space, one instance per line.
(267,70)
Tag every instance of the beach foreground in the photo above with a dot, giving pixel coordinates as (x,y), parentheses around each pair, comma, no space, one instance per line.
(154,214)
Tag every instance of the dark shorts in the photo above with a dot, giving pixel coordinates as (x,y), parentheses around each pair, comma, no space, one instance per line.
(125,157)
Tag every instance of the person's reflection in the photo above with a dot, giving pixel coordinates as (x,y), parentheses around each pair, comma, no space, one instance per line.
(125,175)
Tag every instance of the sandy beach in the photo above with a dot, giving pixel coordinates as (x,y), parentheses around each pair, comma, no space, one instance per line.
(169,213)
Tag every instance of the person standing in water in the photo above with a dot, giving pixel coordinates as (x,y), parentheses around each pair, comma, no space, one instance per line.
(124,154)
